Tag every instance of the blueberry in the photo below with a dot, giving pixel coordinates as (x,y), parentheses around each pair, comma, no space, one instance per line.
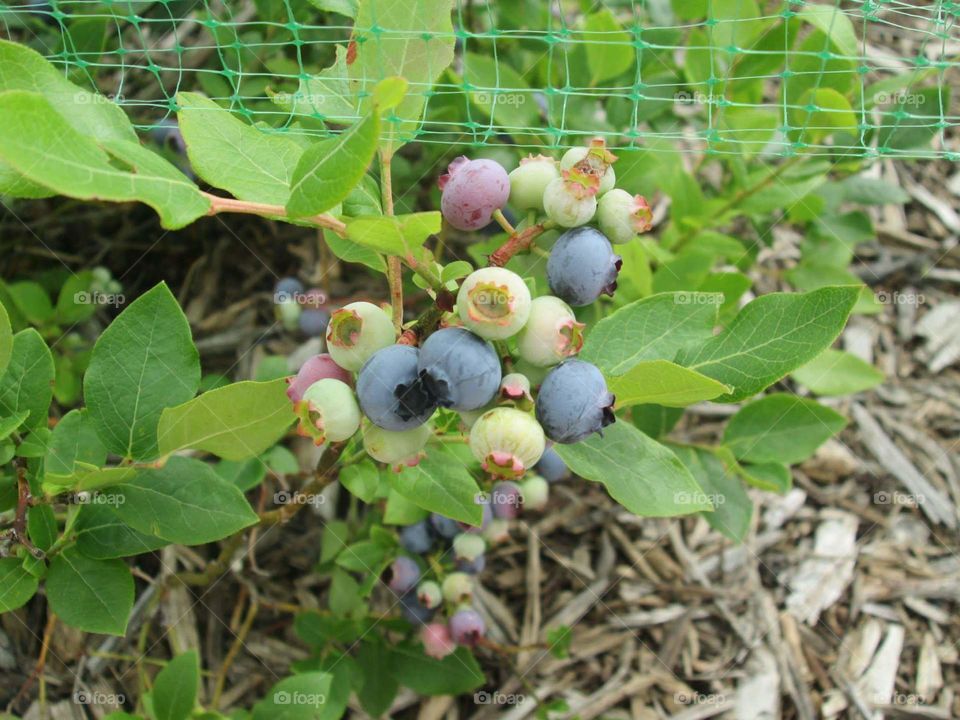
(356,331)
(582,266)
(413,610)
(536,493)
(529,180)
(472,567)
(486,517)
(444,527)
(595,160)
(287,289)
(573,402)
(551,334)
(467,627)
(506,442)
(622,216)
(569,204)
(437,642)
(328,412)
(471,191)
(417,538)
(506,500)
(467,546)
(404,447)
(551,467)
(391,393)
(313,323)
(457,588)
(494,303)
(429,594)
(460,369)
(403,574)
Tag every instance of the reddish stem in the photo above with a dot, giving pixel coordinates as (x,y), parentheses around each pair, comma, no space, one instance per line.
(518,242)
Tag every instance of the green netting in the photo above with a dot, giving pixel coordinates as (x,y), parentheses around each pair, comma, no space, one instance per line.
(864,79)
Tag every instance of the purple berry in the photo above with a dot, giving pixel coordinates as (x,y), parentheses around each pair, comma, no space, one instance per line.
(417,538)
(390,391)
(506,500)
(467,627)
(582,266)
(316,368)
(403,574)
(551,467)
(472,567)
(472,191)
(459,369)
(574,402)
(487,516)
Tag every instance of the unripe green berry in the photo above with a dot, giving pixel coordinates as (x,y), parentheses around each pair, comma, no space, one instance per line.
(529,180)
(429,594)
(497,531)
(577,155)
(457,588)
(516,387)
(623,216)
(564,205)
(507,441)
(328,411)
(468,546)
(494,303)
(552,333)
(536,492)
(394,448)
(356,331)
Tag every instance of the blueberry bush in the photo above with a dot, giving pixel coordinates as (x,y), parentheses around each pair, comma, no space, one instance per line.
(563,348)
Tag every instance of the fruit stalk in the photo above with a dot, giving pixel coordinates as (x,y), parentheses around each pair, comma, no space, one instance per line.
(518,242)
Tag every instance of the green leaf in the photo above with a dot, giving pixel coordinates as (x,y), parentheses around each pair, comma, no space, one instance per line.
(512,109)
(249,163)
(379,685)
(654,328)
(915,119)
(27,383)
(393,235)
(6,339)
(101,535)
(638,472)
(732,507)
(440,483)
(143,362)
(823,111)
(770,337)
(329,169)
(834,23)
(76,166)
(365,556)
(771,477)
(42,526)
(86,477)
(610,50)
(409,40)
(736,23)
(92,595)
(74,440)
(301,697)
(389,92)
(351,251)
(780,428)
(235,422)
(328,95)
(456,674)
(17,586)
(362,480)
(175,689)
(8,425)
(401,511)
(183,502)
(655,420)
(663,383)
(835,372)
(347,8)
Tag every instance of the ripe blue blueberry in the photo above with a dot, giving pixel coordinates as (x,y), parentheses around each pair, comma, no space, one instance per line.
(459,369)
(582,266)
(313,323)
(443,526)
(403,574)
(390,391)
(413,610)
(551,467)
(417,538)
(472,567)
(467,627)
(287,289)
(574,402)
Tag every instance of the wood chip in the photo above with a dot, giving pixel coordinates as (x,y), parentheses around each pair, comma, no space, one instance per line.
(821,579)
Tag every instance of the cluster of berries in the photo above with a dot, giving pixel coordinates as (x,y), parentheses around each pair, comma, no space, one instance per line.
(297,308)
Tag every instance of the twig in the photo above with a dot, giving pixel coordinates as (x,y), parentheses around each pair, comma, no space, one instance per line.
(503,222)
(394,273)
(230,205)
(517,242)
(41,662)
(234,649)
(325,473)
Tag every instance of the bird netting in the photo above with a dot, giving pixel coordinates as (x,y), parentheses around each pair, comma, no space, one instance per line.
(860,79)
